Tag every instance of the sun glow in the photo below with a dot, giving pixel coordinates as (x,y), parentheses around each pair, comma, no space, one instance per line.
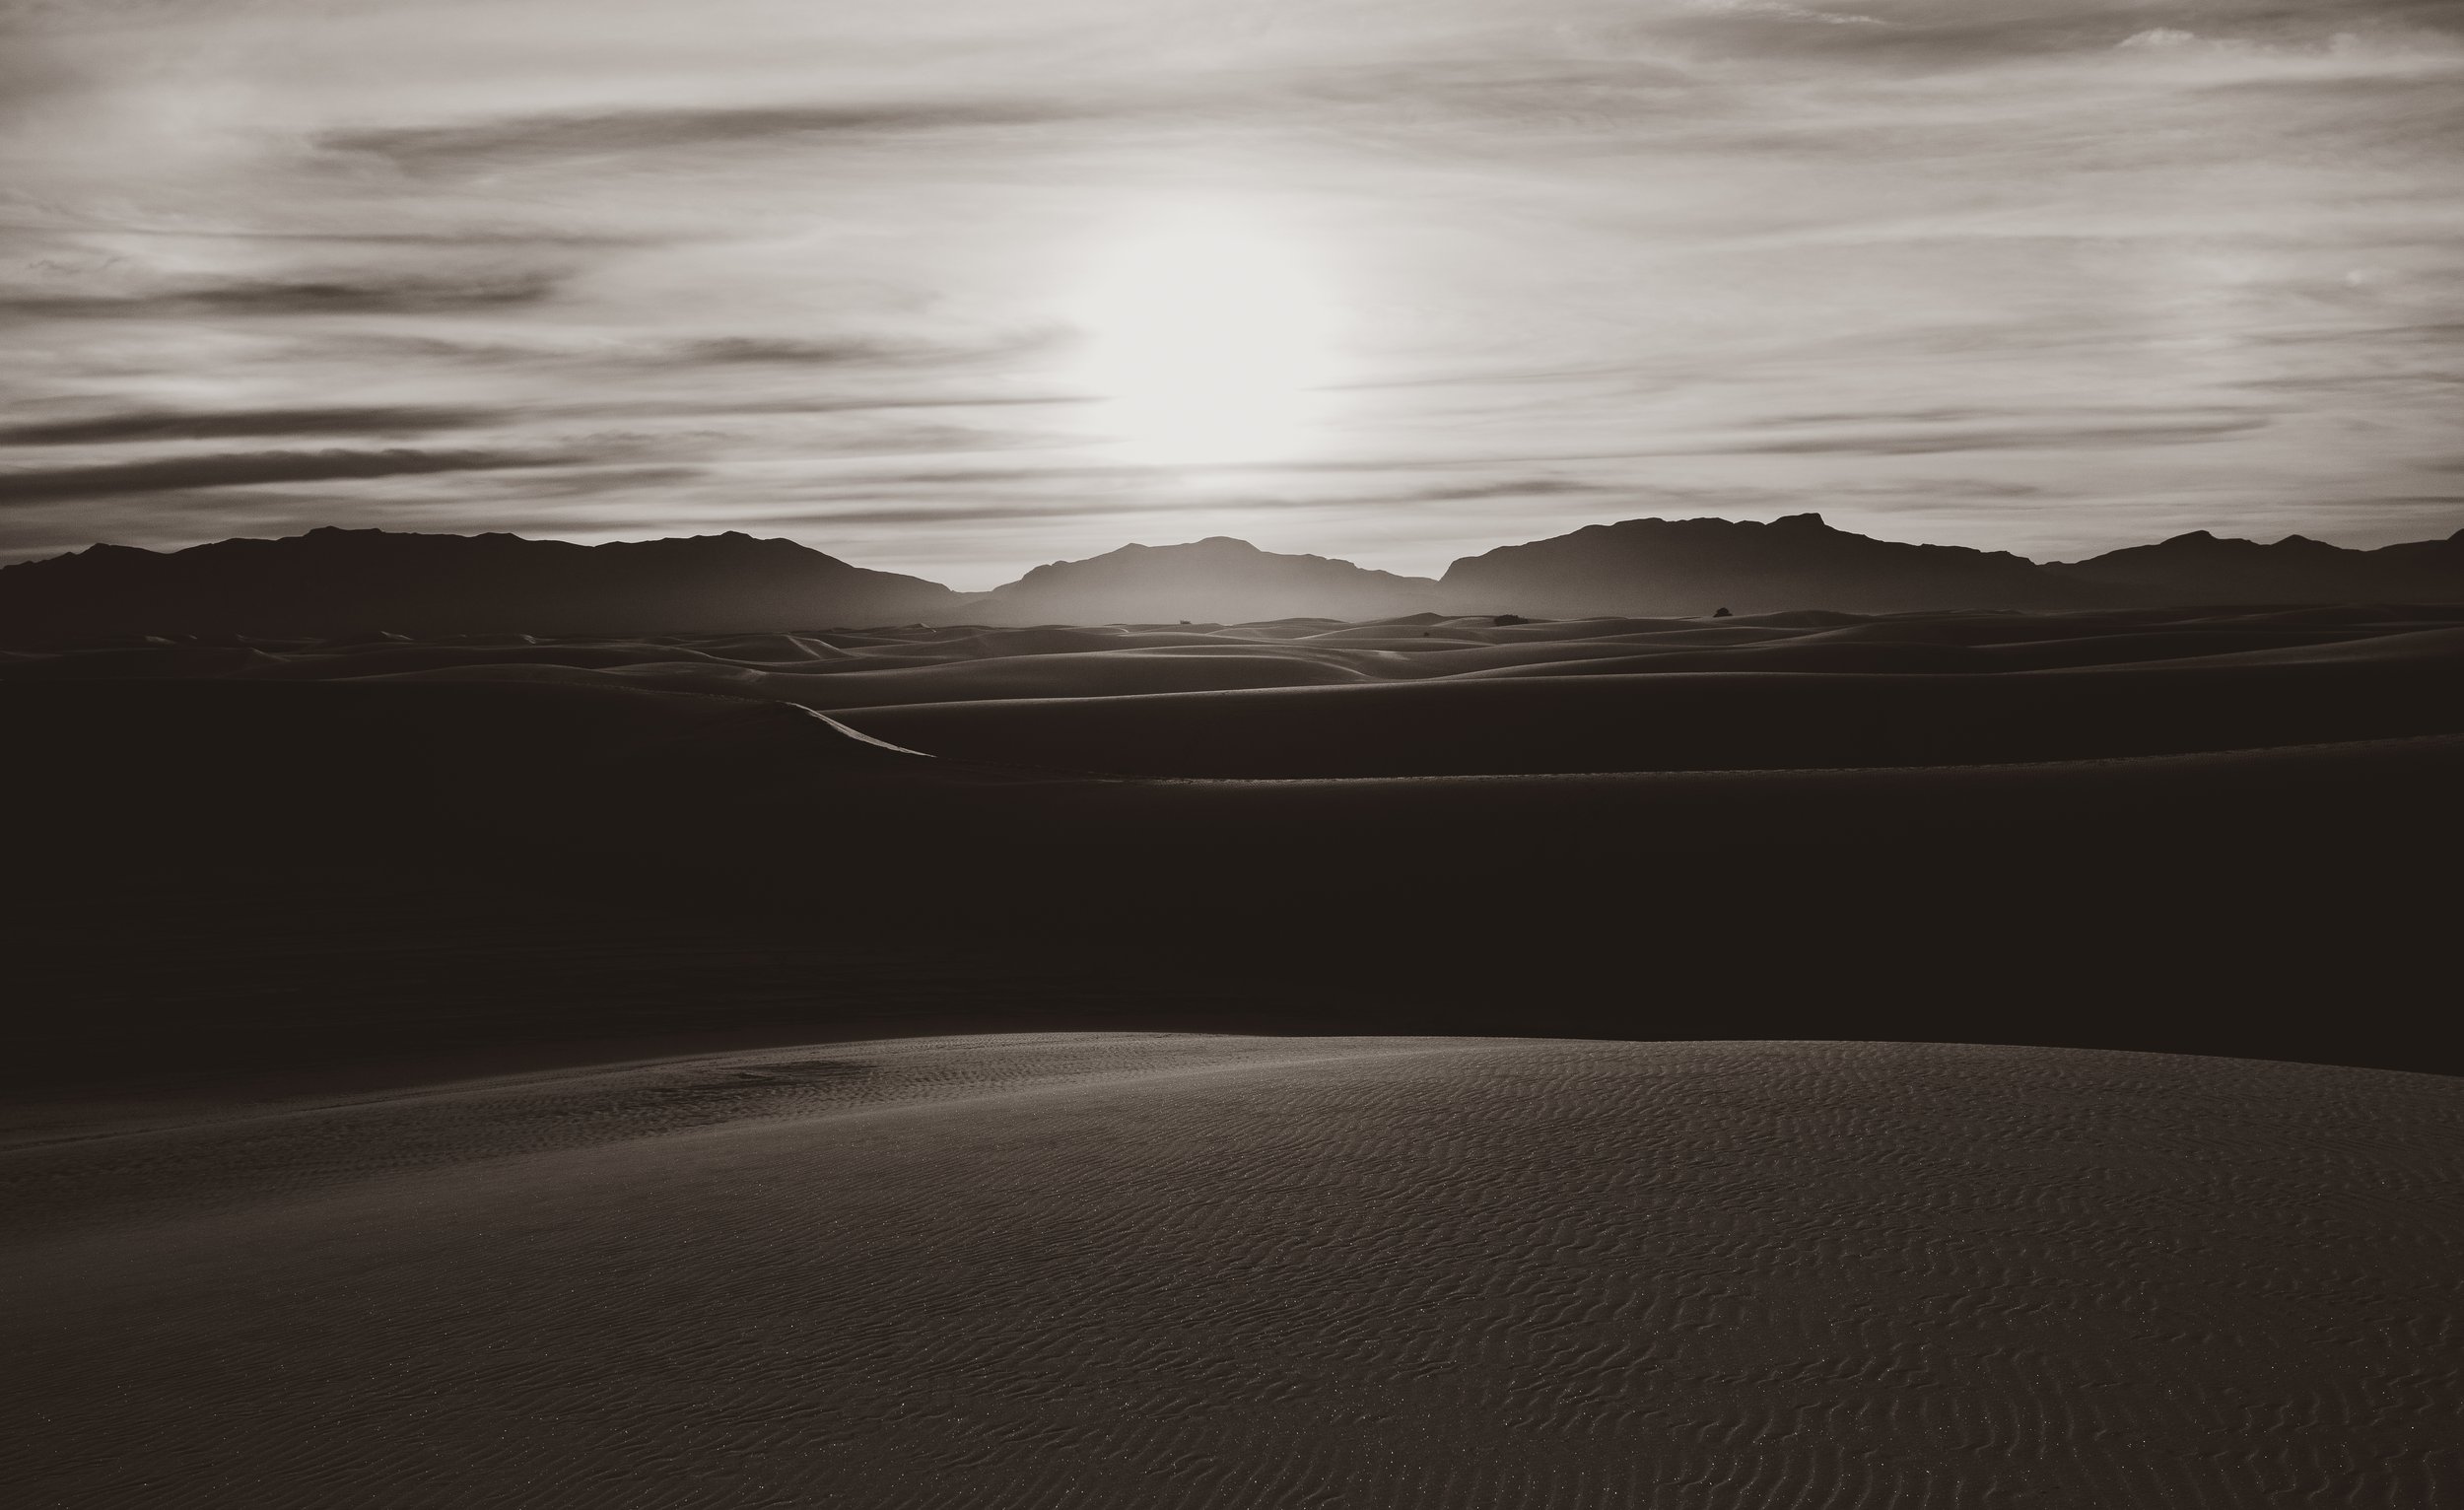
(1209,340)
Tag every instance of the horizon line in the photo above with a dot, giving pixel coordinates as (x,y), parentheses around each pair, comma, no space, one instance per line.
(1813,514)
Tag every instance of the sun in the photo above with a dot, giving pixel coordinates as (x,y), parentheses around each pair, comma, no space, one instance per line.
(1208,339)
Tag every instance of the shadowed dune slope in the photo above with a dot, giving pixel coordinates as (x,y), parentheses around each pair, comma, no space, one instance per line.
(561,849)
(1427,695)
(366,758)
(1148,1269)
(760,785)
(1850,855)
(1693,723)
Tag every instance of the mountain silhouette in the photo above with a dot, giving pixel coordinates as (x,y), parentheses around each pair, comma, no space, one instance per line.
(2202,568)
(1693,565)
(331,581)
(344,582)
(1217,580)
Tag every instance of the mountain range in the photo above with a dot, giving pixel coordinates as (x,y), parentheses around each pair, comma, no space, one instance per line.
(1217,578)
(330,582)
(354,580)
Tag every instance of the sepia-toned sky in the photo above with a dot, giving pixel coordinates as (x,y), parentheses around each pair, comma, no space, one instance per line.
(954,287)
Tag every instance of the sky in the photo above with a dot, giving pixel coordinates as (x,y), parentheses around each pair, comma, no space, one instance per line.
(956,287)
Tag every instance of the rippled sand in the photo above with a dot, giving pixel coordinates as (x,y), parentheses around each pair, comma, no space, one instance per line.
(1152,1269)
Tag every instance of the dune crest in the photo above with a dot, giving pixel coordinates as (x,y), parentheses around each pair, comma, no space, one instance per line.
(1140,1269)
(1429,695)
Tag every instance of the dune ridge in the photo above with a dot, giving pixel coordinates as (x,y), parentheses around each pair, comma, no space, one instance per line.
(1212,1272)
(2095,847)
(1427,695)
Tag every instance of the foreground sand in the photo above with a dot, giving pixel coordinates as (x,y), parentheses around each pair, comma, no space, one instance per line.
(1145,1270)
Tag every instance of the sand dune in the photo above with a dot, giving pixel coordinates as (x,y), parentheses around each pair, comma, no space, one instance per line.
(1607,721)
(272,902)
(2093,854)
(1427,695)
(1676,763)
(1153,1269)
(1416,833)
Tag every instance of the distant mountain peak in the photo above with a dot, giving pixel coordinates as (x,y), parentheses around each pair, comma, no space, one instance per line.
(1210,542)
(2202,568)
(333,581)
(1690,565)
(1216,579)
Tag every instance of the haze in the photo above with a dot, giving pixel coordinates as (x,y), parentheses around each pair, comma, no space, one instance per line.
(957,288)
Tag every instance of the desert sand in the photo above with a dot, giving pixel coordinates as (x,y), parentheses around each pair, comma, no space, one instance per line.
(2053,671)
(1280,1064)
(1143,1269)
(2187,831)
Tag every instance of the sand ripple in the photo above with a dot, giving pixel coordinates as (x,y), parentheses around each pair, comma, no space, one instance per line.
(1153,1269)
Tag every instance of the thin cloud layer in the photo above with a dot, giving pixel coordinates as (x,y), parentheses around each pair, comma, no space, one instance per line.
(178,426)
(23,486)
(959,288)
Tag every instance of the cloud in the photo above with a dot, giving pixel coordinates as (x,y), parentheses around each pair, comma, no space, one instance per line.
(545,481)
(955,513)
(1026,506)
(1778,10)
(726,350)
(2013,438)
(516,140)
(406,294)
(179,425)
(118,230)
(43,485)
(905,349)
(1150,472)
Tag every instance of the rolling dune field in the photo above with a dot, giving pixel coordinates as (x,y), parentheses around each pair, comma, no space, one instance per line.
(1702,1064)
(2180,831)
(836,670)
(1431,696)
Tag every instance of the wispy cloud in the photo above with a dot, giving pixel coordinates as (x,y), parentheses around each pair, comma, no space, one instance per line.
(175,425)
(1945,441)
(43,485)
(1016,508)
(518,139)
(305,296)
